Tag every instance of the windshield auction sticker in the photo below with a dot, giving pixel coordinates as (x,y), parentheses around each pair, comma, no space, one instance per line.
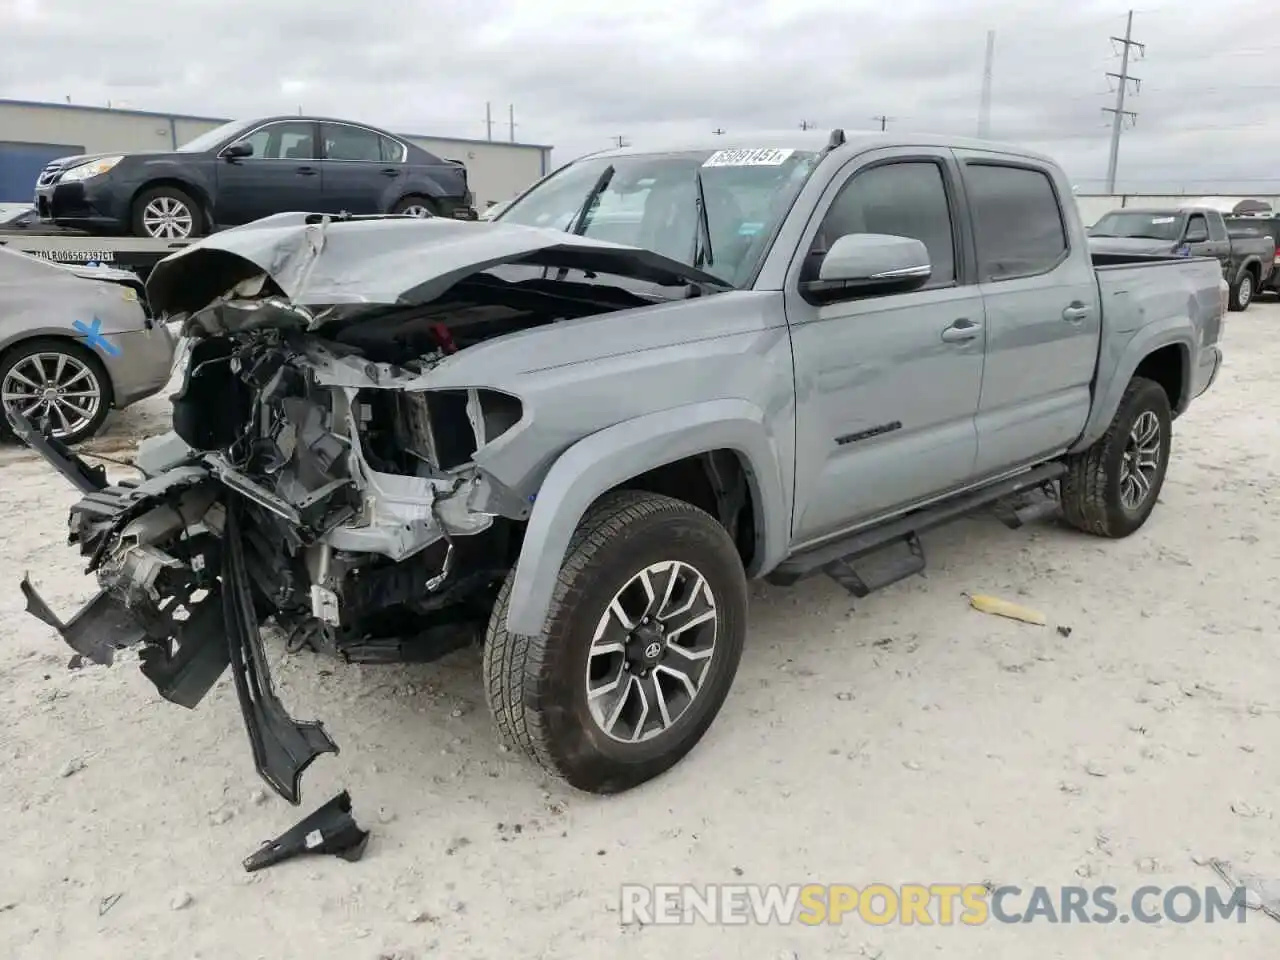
(763,157)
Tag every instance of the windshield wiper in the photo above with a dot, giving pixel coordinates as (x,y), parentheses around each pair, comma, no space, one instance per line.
(580,218)
(702,254)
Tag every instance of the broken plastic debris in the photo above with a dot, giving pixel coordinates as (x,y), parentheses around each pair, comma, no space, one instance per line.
(330,829)
(1003,608)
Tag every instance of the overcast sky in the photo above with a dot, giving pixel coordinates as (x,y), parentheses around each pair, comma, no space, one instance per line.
(580,72)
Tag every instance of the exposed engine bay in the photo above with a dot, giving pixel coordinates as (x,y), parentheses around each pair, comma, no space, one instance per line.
(314,478)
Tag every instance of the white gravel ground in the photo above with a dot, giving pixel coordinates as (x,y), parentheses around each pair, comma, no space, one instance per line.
(909,740)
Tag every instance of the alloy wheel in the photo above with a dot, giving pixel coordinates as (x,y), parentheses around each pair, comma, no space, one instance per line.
(53,385)
(651,651)
(1141,463)
(166,218)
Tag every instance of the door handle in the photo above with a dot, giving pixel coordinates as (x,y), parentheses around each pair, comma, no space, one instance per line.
(307,171)
(1075,313)
(389,172)
(961,331)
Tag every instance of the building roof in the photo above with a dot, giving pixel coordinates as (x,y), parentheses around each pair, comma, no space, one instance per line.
(187,116)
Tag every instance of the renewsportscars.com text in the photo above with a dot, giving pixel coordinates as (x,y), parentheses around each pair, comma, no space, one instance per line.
(940,904)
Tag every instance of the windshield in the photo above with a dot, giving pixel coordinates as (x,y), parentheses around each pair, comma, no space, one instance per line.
(1147,226)
(210,139)
(651,201)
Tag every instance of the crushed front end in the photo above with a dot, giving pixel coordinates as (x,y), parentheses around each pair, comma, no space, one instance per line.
(304,485)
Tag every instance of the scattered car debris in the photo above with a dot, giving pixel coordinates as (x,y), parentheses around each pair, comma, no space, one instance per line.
(1094,770)
(107,902)
(1003,608)
(330,829)
(1242,808)
(1260,893)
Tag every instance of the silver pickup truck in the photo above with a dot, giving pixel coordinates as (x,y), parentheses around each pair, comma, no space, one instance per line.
(576,431)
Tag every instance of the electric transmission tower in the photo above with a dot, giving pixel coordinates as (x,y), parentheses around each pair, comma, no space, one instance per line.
(1118,112)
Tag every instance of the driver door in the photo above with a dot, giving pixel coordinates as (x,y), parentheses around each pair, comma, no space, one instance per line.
(282,175)
(887,386)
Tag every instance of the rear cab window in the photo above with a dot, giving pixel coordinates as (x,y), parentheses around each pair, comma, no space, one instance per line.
(1017,220)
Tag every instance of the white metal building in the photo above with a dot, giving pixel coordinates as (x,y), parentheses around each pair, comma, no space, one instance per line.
(32,134)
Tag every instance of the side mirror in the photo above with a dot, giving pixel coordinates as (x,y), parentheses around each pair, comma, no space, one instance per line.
(238,150)
(1197,235)
(872,263)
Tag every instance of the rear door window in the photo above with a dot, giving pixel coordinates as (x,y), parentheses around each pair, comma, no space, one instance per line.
(1017,220)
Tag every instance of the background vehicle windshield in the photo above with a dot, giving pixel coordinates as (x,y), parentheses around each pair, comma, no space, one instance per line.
(211,138)
(1149,226)
(650,202)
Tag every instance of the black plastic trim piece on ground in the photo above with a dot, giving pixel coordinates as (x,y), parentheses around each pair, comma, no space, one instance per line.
(100,628)
(282,747)
(83,477)
(331,829)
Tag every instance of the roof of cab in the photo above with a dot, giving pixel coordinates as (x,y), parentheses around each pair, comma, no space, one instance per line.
(856,141)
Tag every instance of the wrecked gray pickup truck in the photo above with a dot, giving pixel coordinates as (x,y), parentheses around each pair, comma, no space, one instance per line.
(579,429)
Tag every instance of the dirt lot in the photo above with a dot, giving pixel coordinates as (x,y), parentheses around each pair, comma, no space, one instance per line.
(909,740)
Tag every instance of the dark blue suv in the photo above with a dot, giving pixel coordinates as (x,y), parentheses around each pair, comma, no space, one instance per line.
(248,169)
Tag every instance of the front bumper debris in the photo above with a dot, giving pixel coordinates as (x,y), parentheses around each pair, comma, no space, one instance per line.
(331,829)
(189,623)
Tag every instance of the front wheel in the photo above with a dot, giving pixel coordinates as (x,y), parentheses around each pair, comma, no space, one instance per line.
(640,647)
(58,381)
(167,213)
(1111,488)
(1242,293)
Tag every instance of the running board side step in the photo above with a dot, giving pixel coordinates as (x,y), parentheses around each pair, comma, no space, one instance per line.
(836,559)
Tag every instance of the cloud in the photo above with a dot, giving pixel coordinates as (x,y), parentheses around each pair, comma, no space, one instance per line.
(581,73)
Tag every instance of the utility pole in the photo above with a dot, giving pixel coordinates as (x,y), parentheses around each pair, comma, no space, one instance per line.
(488,120)
(717,131)
(984,105)
(1118,112)
(621,141)
(805,124)
(511,122)
(884,121)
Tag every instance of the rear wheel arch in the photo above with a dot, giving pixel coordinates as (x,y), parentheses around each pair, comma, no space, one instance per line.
(1169,366)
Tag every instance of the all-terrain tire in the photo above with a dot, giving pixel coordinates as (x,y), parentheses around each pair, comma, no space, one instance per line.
(170,199)
(1091,488)
(537,686)
(1242,292)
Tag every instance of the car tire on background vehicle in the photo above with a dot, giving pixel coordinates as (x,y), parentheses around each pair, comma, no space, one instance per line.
(415,205)
(576,699)
(1242,292)
(164,213)
(81,376)
(1111,488)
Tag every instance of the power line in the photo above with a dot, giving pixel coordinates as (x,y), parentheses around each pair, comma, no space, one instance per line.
(1118,112)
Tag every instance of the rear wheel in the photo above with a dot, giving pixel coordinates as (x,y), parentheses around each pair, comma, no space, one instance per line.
(415,206)
(1242,292)
(640,647)
(57,380)
(1110,489)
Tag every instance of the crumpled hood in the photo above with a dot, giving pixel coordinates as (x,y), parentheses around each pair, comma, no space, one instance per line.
(385,261)
(1131,245)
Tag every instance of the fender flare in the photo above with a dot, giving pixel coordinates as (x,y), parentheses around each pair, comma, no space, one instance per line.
(1173,331)
(601,461)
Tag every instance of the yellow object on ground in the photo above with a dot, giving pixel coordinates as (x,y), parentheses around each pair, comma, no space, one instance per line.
(1003,608)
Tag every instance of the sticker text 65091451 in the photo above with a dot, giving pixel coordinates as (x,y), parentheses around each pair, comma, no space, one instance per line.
(762,157)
